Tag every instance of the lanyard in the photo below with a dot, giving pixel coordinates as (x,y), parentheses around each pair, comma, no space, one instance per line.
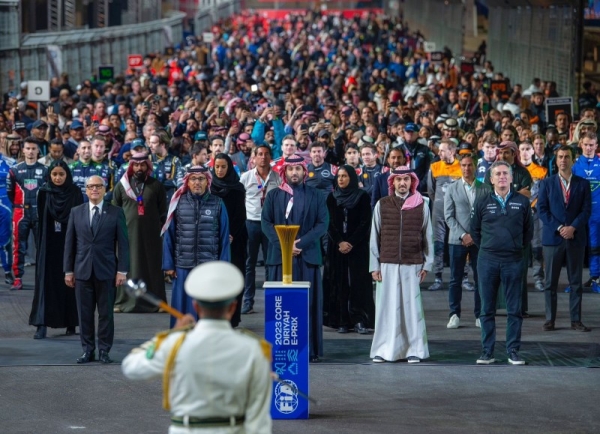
(262,186)
(565,189)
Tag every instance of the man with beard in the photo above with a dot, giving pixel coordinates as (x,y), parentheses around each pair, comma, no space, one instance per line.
(242,157)
(294,203)
(395,159)
(565,206)
(196,231)
(144,201)
(321,175)
(401,256)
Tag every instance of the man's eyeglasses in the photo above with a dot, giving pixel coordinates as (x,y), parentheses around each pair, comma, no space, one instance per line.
(94,186)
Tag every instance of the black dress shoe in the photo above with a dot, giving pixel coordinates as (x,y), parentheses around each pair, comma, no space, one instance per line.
(70,331)
(342,329)
(86,357)
(580,327)
(40,333)
(361,329)
(548,326)
(104,357)
(315,359)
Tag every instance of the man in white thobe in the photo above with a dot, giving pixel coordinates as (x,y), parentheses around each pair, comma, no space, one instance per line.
(401,255)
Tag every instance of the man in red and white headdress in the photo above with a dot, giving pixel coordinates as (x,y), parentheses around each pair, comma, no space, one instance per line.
(401,256)
(144,202)
(196,231)
(294,203)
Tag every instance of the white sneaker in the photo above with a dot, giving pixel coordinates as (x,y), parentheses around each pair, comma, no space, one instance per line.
(478,323)
(454,322)
(467,286)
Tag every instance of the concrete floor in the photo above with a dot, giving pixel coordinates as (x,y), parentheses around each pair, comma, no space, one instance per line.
(355,396)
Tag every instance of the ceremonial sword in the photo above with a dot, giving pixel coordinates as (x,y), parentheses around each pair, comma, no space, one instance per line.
(137,288)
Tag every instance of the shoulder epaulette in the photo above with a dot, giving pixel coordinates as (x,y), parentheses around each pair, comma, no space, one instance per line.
(161,336)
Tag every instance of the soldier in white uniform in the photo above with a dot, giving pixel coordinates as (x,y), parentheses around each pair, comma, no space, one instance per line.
(218,378)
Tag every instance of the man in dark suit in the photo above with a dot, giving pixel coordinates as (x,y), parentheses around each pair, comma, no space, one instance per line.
(294,203)
(395,159)
(565,206)
(96,261)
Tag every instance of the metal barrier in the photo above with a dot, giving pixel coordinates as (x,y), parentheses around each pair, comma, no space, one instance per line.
(41,56)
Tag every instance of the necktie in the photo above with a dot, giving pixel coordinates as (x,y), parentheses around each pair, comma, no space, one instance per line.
(95,219)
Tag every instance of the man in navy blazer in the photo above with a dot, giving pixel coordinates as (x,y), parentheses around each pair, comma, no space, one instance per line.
(294,203)
(396,158)
(96,260)
(564,204)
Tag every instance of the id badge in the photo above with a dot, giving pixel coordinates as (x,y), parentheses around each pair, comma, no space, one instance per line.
(140,209)
(57,227)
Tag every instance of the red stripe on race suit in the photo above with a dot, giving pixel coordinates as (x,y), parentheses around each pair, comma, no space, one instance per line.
(18,214)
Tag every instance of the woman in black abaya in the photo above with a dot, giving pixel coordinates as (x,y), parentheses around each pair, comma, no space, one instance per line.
(226,185)
(347,285)
(53,301)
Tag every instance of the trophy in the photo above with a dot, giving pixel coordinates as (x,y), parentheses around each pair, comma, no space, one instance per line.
(287,236)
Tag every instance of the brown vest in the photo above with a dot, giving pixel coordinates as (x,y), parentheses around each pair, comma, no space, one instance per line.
(401,236)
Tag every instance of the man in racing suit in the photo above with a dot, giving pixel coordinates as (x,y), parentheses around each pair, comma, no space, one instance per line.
(23,183)
(5,218)
(588,167)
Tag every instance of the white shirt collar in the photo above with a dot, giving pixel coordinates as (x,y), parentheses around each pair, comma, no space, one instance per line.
(99,206)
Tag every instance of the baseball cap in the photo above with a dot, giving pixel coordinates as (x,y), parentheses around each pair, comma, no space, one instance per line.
(200,135)
(138,143)
(347,111)
(19,126)
(324,133)
(39,124)
(411,127)
(76,125)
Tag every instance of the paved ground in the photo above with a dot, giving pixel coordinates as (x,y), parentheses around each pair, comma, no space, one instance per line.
(43,391)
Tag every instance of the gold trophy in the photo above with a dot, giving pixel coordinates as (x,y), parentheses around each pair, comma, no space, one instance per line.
(287,236)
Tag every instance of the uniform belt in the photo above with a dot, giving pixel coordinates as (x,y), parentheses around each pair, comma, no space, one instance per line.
(25,206)
(207,422)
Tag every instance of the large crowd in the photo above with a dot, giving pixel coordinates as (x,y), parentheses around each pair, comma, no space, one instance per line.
(312,119)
